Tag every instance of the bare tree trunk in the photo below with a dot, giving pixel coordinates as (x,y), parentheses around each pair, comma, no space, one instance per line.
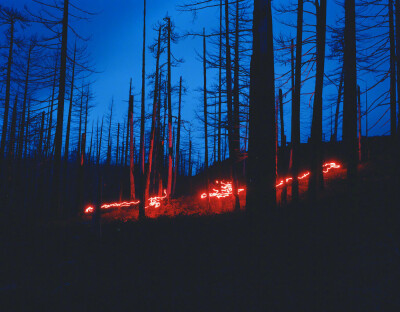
(41,136)
(70,108)
(261,169)
(80,127)
(99,147)
(316,180)
(205,117)
(8,88)
(50,123)
(21,135)
(169,184)
(350,93)
(231,134)
(127,126)
(220,82)
(152,135)
(283,146)
(109,135)
(178,137)
(339,99)
(295,138)
(27,129)
(397,11)
(117,150)
(131,164)
(393,117)
(142,152)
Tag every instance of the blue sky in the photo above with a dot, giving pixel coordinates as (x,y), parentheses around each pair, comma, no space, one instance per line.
(116,50)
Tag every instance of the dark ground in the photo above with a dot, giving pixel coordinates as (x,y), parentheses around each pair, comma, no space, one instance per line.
(331,256)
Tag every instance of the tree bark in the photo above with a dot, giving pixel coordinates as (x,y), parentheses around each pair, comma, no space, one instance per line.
(295,138)
(339,99)
(142,152)
(169,183)
(70,108)
(131,164)
(261,168)
(350,93)
(178,137)
(316,180)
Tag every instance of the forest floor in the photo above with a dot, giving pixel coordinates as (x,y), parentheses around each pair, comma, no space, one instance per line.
(333,255)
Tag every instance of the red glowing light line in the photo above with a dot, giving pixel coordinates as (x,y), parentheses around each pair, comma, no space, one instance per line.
(153,202)
(226,188)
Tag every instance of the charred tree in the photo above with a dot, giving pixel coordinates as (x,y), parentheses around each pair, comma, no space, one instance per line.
(169,181)
(178,137)
(261,168)
(205,118)
(316,180)
(131,163)
(142,118)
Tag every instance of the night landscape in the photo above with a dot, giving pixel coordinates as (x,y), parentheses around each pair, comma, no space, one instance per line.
(200,155)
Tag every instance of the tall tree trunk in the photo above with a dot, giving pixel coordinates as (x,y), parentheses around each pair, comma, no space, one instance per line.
(152,135)
(60,110)
(393,117)
(27,129)
(169,183)
(109,142)
(316,179)
(127,126)
(22,128)
(261,168)
(350,93)
(339,99)
(80,127)
(295,138)
(41,135)
(205,117)
(131,164)
(99,147)
(178,136)
(70,108)
(142,152)
(283,147)
(8,88)
(231,132)
(50,123)
(220,82)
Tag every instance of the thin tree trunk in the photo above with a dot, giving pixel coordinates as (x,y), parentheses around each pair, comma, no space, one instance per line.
(8,88)
(142,151)
(80,127)
(359,122)
(205,117)
(41,136)
(220,82)
(117,150)
(339,99)
(296,105)
(131,164)
(283,147)
(231,134)
(178,136)
(13,127)
(169,184)
(21,135)
(397,11)
(70,107)
(316,180)
(261,168)
(27,129)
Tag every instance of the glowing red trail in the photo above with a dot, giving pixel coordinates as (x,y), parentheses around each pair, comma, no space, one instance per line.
(226,187)
(153,202)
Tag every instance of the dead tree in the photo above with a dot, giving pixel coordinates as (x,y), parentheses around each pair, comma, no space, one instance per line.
(261,172)
(178,137)
(295,137)
(142,118)
(205,117)
(316,180)
(169,181)
(350,93)
(131,164)
(10,17)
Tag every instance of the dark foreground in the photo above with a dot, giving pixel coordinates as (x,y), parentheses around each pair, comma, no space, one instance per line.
(330,256)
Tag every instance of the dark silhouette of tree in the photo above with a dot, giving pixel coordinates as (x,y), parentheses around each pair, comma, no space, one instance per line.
(350,92)
(142,118)
(261,172)
(316,178)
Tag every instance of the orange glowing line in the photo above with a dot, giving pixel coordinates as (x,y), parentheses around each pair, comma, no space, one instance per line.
(153,202)
(226,188)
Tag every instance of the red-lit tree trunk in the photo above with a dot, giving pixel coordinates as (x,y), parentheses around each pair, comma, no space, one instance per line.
(261,168)
(169,182)
(350,93)
(143,201)
(316,180)
(283,146)
(178,136)
(141,153)
(131,164)
(70,108)
(295,138)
